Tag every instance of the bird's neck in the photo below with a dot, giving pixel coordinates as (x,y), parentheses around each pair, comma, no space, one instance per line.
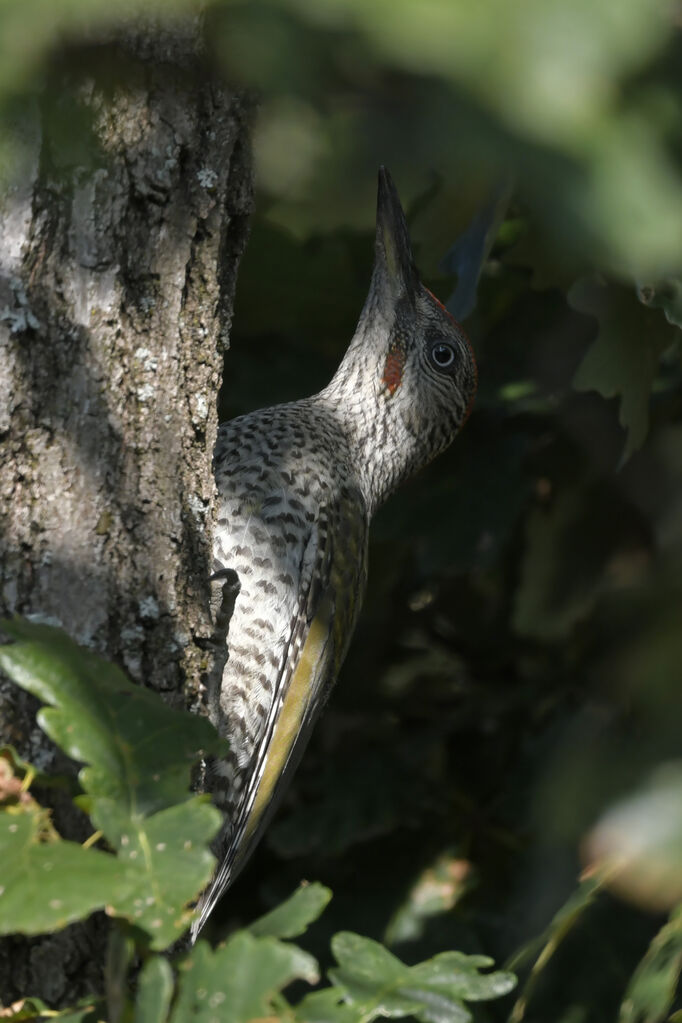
(381,431)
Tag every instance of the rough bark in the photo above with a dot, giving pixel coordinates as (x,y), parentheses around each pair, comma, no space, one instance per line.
(117,276)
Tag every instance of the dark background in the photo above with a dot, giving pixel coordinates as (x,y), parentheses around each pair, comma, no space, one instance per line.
(515,669)
(513,684)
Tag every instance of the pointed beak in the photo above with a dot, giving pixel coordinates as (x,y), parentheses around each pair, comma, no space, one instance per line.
(394,271)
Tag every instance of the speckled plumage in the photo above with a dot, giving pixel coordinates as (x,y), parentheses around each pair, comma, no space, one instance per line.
(297,487)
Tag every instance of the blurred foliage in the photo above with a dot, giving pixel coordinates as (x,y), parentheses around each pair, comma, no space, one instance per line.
(579,102)
(511,699)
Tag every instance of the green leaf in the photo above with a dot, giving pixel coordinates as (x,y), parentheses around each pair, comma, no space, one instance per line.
(139,751)
(366,960)
(561,924)
(154,991)
(47,885)
(435,891)
(379,984)
(237,982)
(542,948)
(170,860)
(326,1006)
(623,361)
(295,915)
(119,955)
(139,754)
(459,972)
(652,987)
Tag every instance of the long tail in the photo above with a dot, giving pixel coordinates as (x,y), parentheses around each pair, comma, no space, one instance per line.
(209,897)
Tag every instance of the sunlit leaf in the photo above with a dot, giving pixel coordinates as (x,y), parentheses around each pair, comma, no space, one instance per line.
(139,755)
(169,860)
(236,982)
(139,752)
(45,885)
(293,916)
(377,983)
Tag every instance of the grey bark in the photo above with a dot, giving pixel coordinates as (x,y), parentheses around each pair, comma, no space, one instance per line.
(117,277)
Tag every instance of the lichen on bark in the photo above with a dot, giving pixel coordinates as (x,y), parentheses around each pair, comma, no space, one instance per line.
(118,261)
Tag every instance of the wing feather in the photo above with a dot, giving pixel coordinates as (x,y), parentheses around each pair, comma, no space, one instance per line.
(332,578)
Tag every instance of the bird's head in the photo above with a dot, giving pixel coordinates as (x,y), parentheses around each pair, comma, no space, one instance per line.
(409,376)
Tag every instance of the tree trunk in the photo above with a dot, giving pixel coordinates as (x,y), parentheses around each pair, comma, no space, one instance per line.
(118,259)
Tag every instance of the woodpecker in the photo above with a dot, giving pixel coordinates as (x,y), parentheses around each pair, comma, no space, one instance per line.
(298,485)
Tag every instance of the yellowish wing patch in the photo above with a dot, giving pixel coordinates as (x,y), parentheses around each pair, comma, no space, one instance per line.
(288,726)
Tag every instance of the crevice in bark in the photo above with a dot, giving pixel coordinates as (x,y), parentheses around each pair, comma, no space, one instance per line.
(118,262)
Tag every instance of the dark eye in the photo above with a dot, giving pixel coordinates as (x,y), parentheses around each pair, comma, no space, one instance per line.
(443,355)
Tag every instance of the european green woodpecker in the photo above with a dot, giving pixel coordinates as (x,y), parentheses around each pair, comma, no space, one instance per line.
(298,485)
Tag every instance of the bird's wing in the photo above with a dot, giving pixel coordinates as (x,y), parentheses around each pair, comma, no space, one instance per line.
(332,579)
